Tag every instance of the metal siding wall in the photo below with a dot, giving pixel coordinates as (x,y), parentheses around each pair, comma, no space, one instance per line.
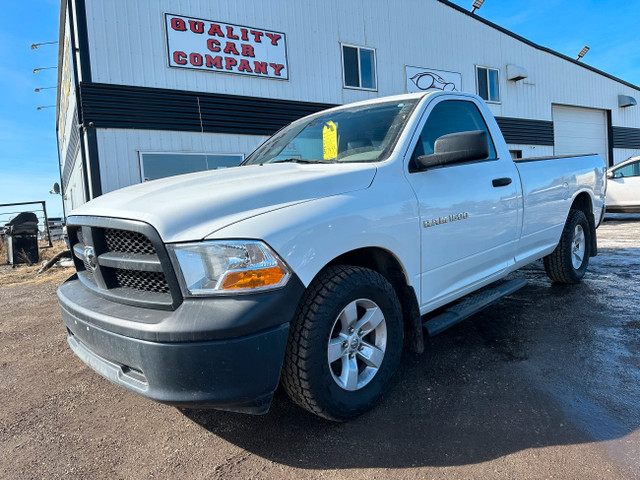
(74,192)
(621,154)
(127,43)
(124,146)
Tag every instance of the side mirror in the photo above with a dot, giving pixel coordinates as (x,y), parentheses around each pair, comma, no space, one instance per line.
(609,174)
(456,148)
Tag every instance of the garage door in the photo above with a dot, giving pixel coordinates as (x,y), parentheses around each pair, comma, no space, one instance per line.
(580,130)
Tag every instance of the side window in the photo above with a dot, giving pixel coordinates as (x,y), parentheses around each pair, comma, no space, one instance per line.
(451,116)
(631,170)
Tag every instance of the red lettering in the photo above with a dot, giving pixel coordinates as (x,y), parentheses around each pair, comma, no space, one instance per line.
(231,35)
(197,27)
(195,59)
(260,67)
(178,24)
(230,62)
(213,62)
(230,47)
(247,50)
(274,38)
(256,35)
(215,30)
(179,57)
(244,66)
(213,45)
(243,34)
(276,68)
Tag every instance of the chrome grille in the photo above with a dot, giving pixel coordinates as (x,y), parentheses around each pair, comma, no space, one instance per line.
(145,281)
(88,271)
(125,241)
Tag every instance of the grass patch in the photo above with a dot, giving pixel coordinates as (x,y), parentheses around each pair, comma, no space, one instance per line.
(23,273)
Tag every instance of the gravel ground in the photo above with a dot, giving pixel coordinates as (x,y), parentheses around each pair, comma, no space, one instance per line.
(544,384)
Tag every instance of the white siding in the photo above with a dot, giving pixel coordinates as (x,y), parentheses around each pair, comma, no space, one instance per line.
(118,150)
(128,46)
(532,150)
(74,192)
(621,154)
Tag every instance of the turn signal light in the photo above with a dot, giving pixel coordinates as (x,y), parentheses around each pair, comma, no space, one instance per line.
(252,279)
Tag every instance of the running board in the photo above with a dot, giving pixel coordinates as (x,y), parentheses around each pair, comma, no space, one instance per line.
(472,304)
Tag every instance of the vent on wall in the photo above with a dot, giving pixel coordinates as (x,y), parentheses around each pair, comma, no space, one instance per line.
(515,73)
(626,101)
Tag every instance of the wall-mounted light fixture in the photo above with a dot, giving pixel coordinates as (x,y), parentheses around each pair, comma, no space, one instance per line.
(36,45)
(582,52)
(476,5)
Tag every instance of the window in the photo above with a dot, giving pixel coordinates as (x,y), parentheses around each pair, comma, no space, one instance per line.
(515,154)
(450,116)
(359,67)
(488,84)
(629,170)
(160,165)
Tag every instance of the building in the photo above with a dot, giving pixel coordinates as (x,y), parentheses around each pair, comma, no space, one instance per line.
(152,88)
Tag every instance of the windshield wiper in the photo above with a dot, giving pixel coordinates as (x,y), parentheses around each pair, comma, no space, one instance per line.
(303,160)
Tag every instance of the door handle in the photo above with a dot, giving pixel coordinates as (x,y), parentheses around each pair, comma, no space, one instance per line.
(501,182)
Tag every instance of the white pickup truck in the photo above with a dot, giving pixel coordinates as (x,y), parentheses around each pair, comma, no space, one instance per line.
(340,240)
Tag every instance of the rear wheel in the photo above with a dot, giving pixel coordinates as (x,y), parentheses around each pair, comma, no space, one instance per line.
(568,262)
(345,343)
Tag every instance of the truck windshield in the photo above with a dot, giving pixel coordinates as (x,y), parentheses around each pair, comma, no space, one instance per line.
(365,133)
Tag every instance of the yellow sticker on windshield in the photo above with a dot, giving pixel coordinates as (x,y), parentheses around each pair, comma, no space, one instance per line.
(330,140)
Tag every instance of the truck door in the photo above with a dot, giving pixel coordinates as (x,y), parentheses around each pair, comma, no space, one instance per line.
(469,212)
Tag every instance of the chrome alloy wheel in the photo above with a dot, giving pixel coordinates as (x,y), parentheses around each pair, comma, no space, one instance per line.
(578,247)
(357,344)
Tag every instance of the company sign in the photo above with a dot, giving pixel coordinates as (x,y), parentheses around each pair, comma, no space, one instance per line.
(226,48)
(422,79)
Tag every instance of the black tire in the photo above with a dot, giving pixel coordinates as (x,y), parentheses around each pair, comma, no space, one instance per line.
(307,375)
(559,265)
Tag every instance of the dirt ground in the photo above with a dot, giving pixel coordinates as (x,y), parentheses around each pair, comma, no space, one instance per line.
(544,384)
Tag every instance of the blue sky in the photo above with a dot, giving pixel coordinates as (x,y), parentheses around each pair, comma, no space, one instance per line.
(28,153)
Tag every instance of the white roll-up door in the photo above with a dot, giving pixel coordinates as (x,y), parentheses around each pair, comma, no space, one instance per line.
(580,130)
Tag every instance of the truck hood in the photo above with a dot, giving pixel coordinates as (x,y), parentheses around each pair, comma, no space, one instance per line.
(190,207)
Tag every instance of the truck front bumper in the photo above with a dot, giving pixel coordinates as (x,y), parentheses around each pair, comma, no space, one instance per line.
(194,356)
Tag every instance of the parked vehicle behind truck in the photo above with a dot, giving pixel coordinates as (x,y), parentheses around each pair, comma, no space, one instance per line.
(320,257)
(623,188)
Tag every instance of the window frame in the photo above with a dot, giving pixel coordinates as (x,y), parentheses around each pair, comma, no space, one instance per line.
(635,166)
(164,152)
(375,67)
(499,101)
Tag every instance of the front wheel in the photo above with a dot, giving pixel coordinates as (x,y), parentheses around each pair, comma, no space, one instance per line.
(344,344)
(568,262)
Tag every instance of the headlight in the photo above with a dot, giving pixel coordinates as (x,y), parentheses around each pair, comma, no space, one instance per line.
(229,266)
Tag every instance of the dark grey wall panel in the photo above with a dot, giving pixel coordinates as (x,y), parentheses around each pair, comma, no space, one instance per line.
(525,131)
(122,106)
(625,137)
